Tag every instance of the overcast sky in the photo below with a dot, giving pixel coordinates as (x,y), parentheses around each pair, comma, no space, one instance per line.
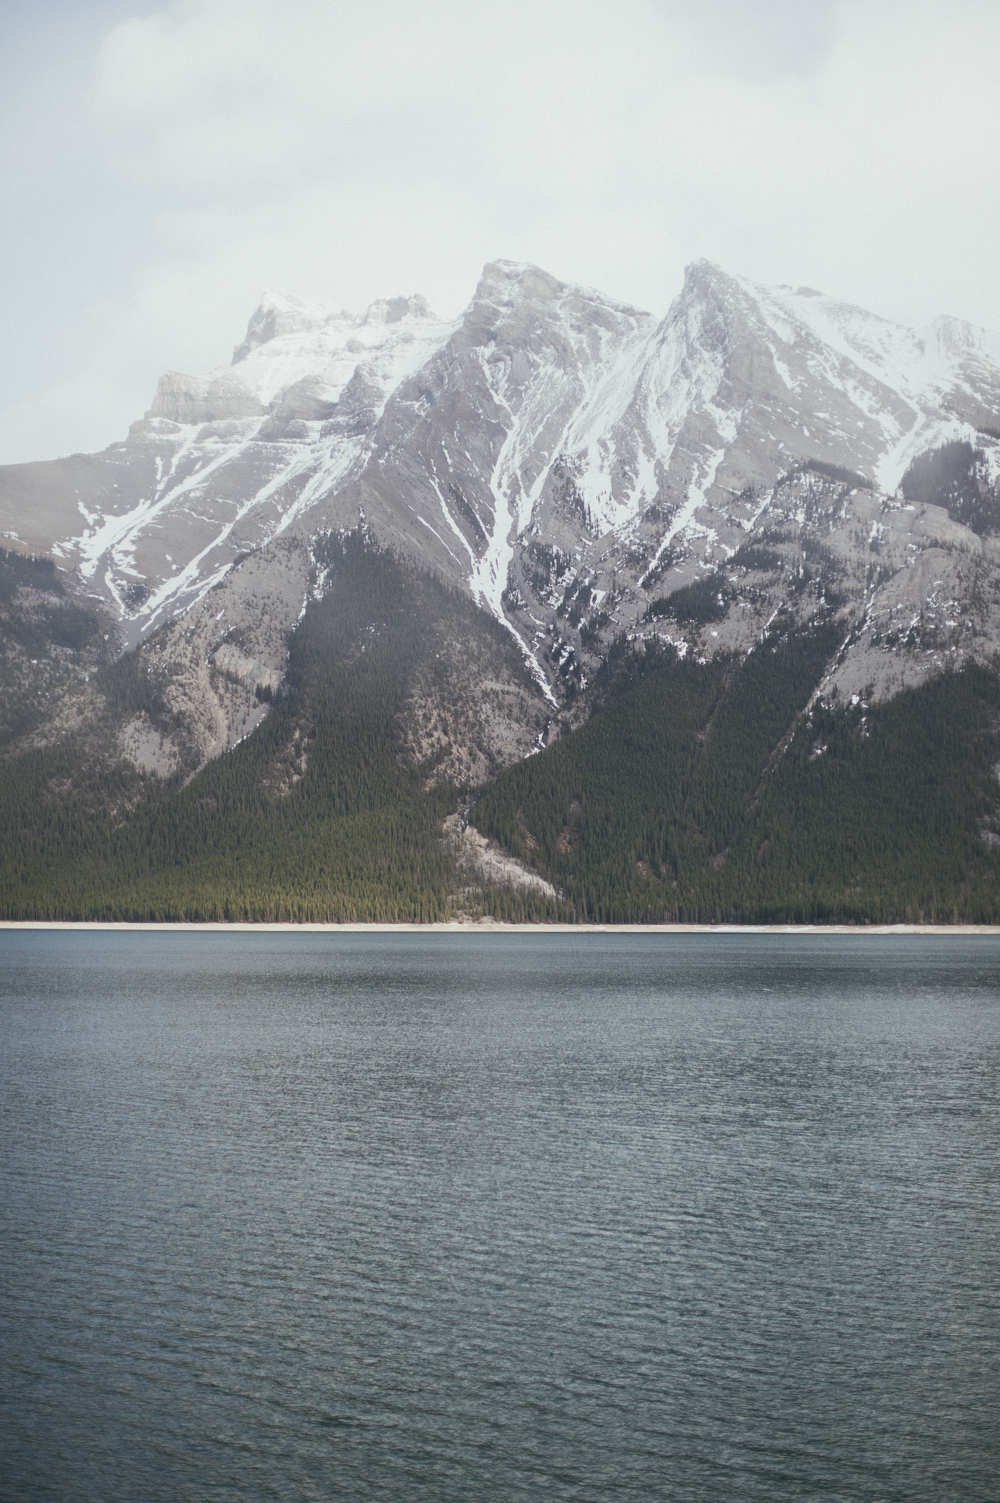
(164,163)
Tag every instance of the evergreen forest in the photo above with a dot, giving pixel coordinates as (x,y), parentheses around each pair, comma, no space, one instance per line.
(707,793)
(319,815)
(696,791)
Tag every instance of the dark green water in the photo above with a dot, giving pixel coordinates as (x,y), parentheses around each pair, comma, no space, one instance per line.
(483,1218)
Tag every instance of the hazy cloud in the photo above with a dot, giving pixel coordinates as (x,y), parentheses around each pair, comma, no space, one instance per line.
(768,39)
(213,148)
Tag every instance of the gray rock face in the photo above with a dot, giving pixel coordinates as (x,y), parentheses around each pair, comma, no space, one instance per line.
(565,458)
(200,399)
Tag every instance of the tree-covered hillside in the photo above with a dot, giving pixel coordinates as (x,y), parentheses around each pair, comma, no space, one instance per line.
(323,813)
(50,640)
(697,790)
(957,477)
(705,792)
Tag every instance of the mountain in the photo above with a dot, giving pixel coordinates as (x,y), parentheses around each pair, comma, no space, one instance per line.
(761,465)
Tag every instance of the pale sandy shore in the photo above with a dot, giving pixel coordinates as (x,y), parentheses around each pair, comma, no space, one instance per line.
(491,926)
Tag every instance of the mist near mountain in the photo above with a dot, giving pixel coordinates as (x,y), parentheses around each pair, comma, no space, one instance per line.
(394,563)
(566,459)
(168,160)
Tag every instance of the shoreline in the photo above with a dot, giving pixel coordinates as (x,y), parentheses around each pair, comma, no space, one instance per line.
(492,926)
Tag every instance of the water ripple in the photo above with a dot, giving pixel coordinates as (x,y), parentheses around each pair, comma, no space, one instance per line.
(491,1218)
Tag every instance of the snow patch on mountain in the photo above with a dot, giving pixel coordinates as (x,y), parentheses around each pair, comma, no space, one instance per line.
(549,434)
(290,341)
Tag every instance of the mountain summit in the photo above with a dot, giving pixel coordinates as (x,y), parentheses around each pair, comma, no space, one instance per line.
(580,470)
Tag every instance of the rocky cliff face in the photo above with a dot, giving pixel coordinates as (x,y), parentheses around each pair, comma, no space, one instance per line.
(569,461)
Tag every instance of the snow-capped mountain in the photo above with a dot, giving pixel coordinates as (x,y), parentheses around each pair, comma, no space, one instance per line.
(469,430)
(565,458)
(224,462)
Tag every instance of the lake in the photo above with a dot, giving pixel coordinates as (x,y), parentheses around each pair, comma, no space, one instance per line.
(499,1217)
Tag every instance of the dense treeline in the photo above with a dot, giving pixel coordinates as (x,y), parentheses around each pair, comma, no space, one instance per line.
(955,476)
(47,637)
(18,570)
(319,815)
(878,815)
(707,599)
(700,602)
(838,472)
(701,792)
(697,791)
(49,617)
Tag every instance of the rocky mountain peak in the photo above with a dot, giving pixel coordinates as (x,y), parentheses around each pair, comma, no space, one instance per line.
(550,447)
(280,312)
(393,310)
(705,278)
(957,338)
(203,399)
(767,476)
(505,284)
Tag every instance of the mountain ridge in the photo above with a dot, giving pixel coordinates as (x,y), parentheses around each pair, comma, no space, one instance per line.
(661,385)
(585,473)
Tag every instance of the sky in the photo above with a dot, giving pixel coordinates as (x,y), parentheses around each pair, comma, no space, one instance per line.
(163,164)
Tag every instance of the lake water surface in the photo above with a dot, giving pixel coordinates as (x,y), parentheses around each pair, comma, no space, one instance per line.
(499,1217)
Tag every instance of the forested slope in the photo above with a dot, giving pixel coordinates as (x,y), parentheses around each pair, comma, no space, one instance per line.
(324,813)
(699,789)
(705,792)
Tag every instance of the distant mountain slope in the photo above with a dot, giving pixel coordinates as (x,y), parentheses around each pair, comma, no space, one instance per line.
(716,792)
(760,466)
(724,789)
(50,643)
(331,810)
(548,421)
